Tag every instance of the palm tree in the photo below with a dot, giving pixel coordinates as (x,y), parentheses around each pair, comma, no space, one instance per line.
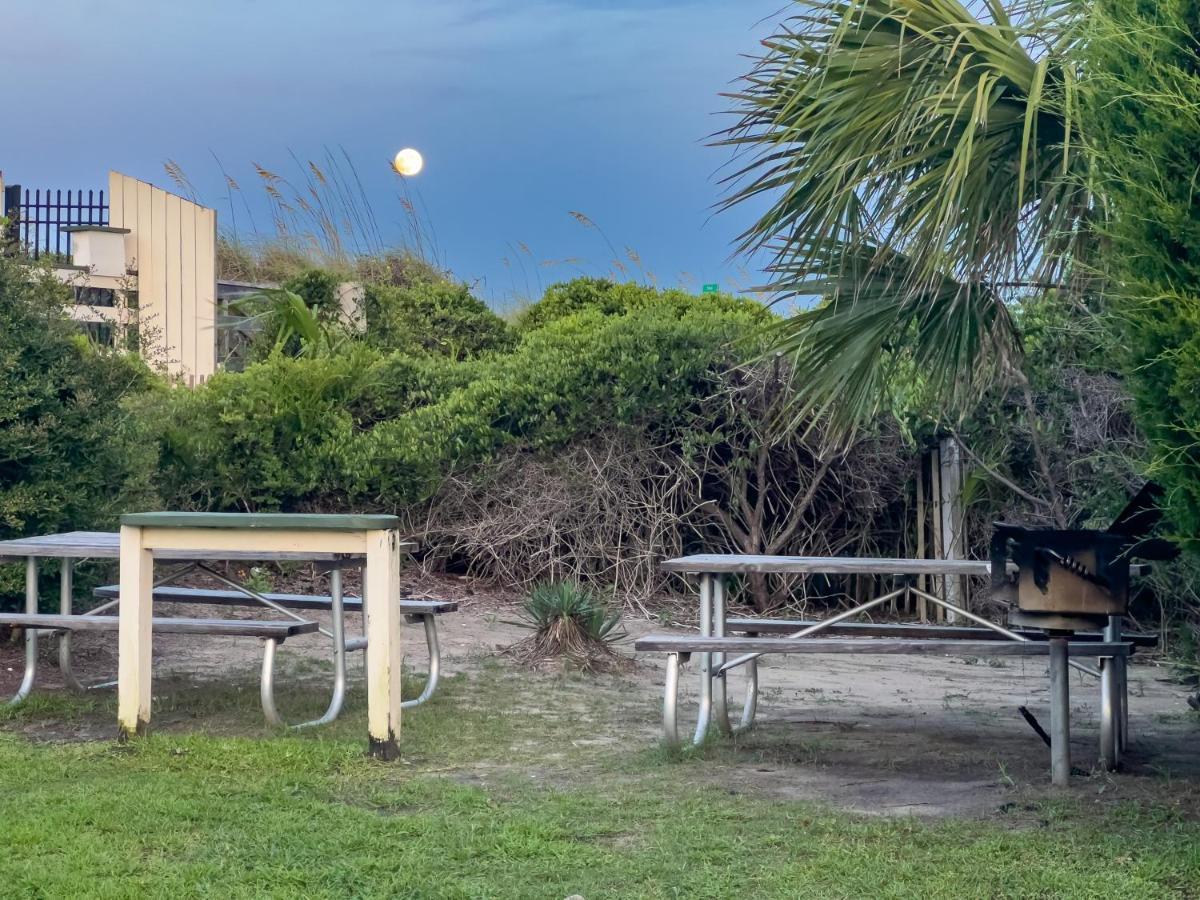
(923,167)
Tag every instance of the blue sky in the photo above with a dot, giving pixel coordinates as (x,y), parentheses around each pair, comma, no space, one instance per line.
(525,110)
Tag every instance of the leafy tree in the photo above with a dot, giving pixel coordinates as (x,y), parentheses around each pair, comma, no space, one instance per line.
(1143,124)
(921,163)
(71,456)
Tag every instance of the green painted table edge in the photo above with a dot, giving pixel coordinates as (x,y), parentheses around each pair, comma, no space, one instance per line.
(275,521)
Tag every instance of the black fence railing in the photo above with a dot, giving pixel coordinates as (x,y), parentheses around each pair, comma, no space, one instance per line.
(36,218)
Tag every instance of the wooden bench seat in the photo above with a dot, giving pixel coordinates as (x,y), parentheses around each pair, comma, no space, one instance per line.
(260,628)
(207,596)
(671,643)
(913,630)
(423,612)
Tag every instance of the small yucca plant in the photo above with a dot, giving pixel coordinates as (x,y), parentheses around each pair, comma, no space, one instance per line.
(572,623)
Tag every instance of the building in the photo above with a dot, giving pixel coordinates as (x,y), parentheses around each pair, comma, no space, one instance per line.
(142,262)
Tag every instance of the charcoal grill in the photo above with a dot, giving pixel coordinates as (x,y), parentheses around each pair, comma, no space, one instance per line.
(1075,579)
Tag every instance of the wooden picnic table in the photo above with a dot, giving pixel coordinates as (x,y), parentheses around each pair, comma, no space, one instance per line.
(713,643)
(372,542)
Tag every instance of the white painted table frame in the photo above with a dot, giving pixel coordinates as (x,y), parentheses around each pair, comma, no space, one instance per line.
(381,594)
(714,569)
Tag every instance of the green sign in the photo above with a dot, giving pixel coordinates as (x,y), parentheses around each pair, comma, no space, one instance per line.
(709,289)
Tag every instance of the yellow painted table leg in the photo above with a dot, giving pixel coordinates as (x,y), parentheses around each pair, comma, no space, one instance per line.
(381,595)
(134,634)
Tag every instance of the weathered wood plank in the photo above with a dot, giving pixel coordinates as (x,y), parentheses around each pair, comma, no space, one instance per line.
(71,544)
(688,644)
(107,545)
(261,628)
(134,634)
(737,563)
(180,347)
(205,277)
(718,563)
(272,521)
(205,596)
(913,630)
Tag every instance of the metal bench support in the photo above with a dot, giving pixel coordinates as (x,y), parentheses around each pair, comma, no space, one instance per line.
(31,649)
(267,682)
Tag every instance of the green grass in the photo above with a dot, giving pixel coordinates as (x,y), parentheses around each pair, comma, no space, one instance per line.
(488,802)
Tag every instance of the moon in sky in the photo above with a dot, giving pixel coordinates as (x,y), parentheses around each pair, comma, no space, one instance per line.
(408,161)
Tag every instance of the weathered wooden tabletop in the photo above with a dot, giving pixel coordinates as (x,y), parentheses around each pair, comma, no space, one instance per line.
(107,544)
(735,563)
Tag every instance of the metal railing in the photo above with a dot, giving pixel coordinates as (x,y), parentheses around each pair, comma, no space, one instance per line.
(36,218)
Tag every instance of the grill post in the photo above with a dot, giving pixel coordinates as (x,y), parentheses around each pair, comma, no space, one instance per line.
(1108,714)
(1060,714)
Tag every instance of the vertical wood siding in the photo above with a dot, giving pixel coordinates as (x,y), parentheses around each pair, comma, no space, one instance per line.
(172,246)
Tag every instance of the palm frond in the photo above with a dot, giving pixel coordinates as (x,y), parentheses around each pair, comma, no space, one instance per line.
(918,160)
(869,325)
(292,318)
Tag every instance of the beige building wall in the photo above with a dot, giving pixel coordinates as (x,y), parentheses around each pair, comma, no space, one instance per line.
(172,247)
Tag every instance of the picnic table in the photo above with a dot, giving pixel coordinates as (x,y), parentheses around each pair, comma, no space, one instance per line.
(714,645)
(191,540)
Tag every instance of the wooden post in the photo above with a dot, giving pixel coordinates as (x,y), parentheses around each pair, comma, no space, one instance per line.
(381,596)
(935,497)
(950,482)
(922,607)
(134,634)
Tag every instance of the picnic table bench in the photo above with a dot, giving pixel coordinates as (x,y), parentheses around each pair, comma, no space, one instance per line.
(275,630)
(714,644)
(424,612)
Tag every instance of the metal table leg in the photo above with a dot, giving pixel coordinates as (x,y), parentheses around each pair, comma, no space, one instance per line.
(1122,673)
(1060,714)
(31,634)
(65,599)
(750,704)
(671,702)
(720,698)
(706,684)
(65,663)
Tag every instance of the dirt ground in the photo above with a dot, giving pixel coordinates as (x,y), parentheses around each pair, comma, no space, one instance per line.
(886,735)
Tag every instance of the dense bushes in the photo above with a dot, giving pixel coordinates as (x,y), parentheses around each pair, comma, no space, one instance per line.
(1072,410)
(1143,123)
(70,456)
(438,317)
(384,430)
(620,425)
(614,425)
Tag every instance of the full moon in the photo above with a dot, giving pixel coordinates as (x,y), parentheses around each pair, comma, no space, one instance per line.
(408,161)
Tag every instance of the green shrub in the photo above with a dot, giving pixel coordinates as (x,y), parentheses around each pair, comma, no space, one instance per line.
(441,318)
(318,289)
(270,438)
(553,603)
(385,430)
(580,374)
(71,457)
(611,298)
(570,623)
(1143,126)
(304,310)
(569,297)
